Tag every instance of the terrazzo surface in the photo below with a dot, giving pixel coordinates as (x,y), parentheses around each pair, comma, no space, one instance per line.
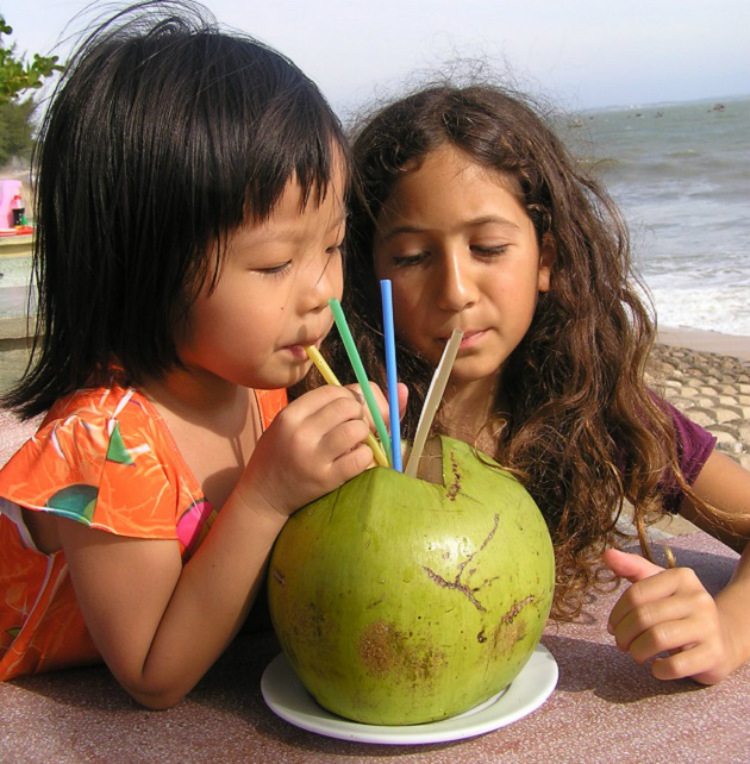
(605,708)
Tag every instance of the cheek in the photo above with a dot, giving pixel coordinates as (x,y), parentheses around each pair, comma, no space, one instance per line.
(407,317)
(402,305)
(337,278)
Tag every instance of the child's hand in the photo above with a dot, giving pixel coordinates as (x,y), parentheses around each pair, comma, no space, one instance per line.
(380,399)
(313,446)
(669,611)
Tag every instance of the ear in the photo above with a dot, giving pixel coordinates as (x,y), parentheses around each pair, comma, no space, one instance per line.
(547,256)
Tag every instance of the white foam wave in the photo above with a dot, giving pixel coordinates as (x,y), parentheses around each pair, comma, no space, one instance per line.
(725,309)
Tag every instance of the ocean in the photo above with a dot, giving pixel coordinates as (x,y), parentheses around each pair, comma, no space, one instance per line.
(680,173)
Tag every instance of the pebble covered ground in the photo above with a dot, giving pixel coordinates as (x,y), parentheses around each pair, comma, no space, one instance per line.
(712,390)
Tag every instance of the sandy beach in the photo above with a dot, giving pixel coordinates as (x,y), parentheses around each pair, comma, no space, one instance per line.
(707,342)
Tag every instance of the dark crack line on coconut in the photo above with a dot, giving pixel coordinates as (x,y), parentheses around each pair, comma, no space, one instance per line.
(455,487)
(457,584)
(516,608)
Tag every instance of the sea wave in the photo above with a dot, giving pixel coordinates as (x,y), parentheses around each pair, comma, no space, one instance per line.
(722,308)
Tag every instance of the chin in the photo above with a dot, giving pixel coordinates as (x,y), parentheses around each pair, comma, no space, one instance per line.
(473,374)
(286,378)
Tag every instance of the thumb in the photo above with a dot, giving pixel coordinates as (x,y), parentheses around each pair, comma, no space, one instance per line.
(403,396)
(630,566)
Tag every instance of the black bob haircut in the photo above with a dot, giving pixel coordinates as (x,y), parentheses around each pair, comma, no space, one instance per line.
(163,135)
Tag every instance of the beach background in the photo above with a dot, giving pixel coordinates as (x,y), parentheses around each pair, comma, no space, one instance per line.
(679,172)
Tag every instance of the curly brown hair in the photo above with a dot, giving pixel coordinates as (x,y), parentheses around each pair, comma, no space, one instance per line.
(582,431)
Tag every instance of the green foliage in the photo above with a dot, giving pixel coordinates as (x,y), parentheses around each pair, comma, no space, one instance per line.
(15,129)
(17,75)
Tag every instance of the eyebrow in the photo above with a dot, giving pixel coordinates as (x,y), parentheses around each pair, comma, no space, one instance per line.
(473,223)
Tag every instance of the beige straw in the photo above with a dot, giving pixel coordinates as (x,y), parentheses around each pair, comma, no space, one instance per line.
(432,401)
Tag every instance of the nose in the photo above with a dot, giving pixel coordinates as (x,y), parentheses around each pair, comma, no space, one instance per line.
(326,283)
(457,289)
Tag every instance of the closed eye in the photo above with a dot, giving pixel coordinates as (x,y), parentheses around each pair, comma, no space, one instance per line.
(404,261)
(275,270)
(489,251)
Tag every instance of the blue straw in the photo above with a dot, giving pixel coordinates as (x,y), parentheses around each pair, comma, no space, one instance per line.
(359,371)
(386,296)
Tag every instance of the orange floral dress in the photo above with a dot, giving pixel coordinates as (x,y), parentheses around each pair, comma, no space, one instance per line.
(103,457)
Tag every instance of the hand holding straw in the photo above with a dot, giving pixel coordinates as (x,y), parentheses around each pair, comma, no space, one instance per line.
(432,400)
(314,355)
(359,372)
(389,337)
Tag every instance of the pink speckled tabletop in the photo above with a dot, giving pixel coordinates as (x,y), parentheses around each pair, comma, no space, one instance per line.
(605,708)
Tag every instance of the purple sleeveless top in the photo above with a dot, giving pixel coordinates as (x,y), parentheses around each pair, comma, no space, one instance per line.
(694,446)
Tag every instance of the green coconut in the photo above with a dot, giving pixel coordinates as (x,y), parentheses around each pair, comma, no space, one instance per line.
(401,601)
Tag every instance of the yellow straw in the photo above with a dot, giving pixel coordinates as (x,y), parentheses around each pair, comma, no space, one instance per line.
(327,373)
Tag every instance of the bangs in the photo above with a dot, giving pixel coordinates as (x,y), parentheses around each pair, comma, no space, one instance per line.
(270,129)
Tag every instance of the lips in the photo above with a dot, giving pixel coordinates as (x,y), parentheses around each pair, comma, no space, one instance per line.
(306,343)
(470,338)
(297,349)
(297,352)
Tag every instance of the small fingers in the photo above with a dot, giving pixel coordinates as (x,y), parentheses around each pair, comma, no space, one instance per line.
(680,631)
(351,463)
(312,447)
(649,618)
(343,438)
(628,565)
(339,405)
(380,401)
(698,661)
(664,637)
(655,588)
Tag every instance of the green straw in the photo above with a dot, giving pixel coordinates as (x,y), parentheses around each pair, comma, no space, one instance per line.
(359,372)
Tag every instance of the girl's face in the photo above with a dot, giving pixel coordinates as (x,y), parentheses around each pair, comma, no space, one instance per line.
(462,253)
(272,295)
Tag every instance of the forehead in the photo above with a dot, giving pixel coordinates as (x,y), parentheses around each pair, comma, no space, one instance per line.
(446,179)
(449,165)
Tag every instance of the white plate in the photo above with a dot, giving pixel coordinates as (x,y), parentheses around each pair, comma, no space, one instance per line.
(287,698)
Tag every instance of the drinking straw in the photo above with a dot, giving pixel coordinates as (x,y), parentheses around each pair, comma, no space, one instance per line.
(359,372)
(327,373)
(389,335)
(432,400)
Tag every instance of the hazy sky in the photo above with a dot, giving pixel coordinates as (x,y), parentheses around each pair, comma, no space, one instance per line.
(579,53)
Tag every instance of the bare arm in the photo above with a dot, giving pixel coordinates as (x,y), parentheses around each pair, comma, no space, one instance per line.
(723,484)
(160,625)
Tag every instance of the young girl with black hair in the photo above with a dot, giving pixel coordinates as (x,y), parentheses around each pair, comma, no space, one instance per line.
(191,208)
(478,214)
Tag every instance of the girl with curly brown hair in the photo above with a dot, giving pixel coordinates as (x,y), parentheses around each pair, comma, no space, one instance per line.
(483,222)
